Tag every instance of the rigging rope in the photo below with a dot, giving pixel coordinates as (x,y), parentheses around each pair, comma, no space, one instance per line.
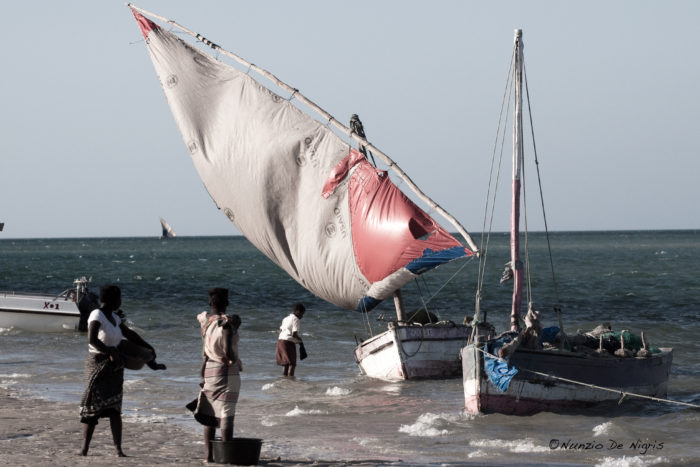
(422,299)
(464,264)
(486,233)
(623,394)
(365,313)
(528,275)
(557,307)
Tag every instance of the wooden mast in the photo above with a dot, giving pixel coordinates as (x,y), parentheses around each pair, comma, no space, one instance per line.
(515,262)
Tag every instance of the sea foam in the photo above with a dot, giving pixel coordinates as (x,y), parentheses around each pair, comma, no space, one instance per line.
(296,411)
(521,445)
(637,461)
(336,391)
(424,426)
(603,429)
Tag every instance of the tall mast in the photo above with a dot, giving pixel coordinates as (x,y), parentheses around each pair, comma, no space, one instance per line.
(515,262)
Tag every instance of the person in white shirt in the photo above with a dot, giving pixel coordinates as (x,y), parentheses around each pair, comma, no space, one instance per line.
(286,352)
(104,367)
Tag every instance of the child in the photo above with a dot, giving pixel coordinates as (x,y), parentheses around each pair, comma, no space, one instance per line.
(286,352)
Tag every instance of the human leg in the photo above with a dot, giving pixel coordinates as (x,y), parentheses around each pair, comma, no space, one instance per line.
(115,423)
(286,356)
(88,430)
(208,438)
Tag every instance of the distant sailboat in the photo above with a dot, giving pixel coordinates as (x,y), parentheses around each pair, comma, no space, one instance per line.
(168,231)
(310,201)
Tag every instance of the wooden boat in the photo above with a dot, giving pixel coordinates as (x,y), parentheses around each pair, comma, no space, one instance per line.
(47,313)
(308,199)
(575,371)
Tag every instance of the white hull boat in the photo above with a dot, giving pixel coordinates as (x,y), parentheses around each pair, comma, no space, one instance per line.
(43,313)
(413,352)
(529,369)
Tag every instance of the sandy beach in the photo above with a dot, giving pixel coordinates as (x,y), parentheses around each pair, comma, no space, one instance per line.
(37,432)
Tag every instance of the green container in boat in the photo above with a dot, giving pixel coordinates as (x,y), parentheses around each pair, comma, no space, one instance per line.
(238,451)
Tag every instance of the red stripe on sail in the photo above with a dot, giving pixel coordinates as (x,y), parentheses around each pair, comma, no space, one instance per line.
(145,24)
(388,229)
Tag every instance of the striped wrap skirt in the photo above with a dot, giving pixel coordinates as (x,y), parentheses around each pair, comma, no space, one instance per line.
(215,405)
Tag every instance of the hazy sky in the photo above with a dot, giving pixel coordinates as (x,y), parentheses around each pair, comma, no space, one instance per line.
(90,147)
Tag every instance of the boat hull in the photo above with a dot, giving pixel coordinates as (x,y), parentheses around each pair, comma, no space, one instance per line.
(530,393)
(413,352)
(38,313)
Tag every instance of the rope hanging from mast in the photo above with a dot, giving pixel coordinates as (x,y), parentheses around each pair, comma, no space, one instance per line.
(557,305)
(486,232)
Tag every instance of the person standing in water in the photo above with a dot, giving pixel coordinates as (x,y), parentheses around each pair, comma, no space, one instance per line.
(215,407)
(290,330)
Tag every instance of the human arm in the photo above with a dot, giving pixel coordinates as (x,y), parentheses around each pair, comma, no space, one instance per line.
(205,359)
(134,337)
(229,335)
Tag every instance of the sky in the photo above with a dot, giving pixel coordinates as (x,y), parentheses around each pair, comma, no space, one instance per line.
(90,148)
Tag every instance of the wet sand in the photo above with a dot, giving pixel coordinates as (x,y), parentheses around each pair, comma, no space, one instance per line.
(37,432)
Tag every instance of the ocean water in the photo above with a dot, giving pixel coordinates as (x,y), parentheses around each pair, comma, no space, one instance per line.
(634,280)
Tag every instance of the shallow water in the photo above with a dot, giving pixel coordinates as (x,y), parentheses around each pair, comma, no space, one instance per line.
(634,280)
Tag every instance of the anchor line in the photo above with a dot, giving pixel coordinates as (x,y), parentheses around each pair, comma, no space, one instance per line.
(623,394)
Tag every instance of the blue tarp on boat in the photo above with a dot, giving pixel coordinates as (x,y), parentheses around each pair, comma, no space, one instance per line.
(499,371)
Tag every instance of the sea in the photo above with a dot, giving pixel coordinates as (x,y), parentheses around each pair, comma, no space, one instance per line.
(634,280)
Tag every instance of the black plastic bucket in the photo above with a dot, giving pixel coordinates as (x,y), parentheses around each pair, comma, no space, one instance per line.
(239,451)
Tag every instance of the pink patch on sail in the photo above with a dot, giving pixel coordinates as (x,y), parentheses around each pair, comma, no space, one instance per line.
(340,171)
(145,24)
(388,229)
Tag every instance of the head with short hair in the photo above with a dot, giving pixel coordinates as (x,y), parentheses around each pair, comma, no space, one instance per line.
(218,297)
(299,310)
(110,295)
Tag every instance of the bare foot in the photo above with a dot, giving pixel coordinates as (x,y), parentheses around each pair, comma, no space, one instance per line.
(120,453)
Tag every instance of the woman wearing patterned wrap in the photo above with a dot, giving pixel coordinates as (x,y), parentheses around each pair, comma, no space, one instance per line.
(216,404)
(104,368)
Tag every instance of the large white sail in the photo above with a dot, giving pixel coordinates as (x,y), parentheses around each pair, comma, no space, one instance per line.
(299,193)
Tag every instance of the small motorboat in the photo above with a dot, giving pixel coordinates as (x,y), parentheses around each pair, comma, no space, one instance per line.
(66,311)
